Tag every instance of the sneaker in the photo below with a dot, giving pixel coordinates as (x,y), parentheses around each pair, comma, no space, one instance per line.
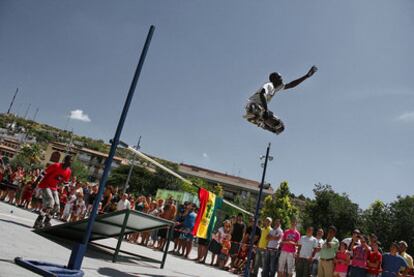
(46,223)
(38,223)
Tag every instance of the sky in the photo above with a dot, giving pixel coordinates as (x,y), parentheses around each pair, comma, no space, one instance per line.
(351,125)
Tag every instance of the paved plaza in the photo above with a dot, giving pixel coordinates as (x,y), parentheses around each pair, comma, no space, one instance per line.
(18,240)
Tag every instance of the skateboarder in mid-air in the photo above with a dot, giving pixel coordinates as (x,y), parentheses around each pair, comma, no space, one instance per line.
(256,109)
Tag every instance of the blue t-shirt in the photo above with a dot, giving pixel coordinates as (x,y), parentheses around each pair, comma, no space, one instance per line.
(391,265)
(189,220)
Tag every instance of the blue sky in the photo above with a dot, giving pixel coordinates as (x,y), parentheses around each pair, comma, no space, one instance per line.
(351,125)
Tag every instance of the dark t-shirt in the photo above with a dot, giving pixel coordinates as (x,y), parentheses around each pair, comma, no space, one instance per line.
(258,233)
(238,229)
(391,264)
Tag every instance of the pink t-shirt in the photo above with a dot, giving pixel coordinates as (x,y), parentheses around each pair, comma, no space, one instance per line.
(291,235)
(341,267)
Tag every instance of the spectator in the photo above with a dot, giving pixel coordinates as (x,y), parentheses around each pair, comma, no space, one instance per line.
(225,248)
(178,228)
(342,260)
(186,237)
(123,203)
(315,262)
(402,251)
(259,260)
(272,253)
(306,250)
(287,256)
(107,198)
(79,207)
(249,231)
(374,260)
(352,241)
(168,213)
(360,258)
(70,202)
(328,253)
(392,263)
(240,260)
(92,197)
(236,237)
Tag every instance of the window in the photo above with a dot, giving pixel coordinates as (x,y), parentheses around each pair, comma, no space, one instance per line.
(55,157)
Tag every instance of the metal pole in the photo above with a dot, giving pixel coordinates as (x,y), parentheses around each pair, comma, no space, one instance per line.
(256,215)
(121,237)
(27,111)
(11,103)
(126,186)
(78,252)
(35,114)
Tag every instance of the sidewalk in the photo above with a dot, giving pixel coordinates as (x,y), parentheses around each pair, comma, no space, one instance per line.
(18,240)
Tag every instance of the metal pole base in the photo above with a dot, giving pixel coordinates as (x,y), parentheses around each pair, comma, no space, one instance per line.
(76,257)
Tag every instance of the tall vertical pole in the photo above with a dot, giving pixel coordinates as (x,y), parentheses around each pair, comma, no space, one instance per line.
(12,102)
(256,215)
(27,111)
(35,114)
(78,252)
(126,186)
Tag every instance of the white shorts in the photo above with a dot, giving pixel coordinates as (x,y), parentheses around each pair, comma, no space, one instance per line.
(289,259)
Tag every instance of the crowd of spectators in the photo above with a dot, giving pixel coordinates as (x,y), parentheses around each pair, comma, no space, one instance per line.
(280,250)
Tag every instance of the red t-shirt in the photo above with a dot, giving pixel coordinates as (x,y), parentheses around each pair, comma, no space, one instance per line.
(374,257)
(55,174)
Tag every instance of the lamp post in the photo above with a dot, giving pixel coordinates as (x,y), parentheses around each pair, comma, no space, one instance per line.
(256,214)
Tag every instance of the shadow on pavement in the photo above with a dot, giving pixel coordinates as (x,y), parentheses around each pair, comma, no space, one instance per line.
(96,252)
(16,223)
(107,271)
(7,261)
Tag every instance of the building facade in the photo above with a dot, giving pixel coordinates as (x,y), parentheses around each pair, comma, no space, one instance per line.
(93,160)
(232,185)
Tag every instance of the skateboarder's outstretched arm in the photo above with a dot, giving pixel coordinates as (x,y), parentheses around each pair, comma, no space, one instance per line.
(296,82)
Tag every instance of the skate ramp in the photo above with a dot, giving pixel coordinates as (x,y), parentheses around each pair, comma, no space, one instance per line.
(107,226)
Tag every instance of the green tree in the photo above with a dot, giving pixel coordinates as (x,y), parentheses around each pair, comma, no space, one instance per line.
(28,157)
(377,219)
(80,171)
(402,222)
(331,208)
(279,205)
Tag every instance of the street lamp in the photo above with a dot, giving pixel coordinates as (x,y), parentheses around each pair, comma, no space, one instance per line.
(256,214)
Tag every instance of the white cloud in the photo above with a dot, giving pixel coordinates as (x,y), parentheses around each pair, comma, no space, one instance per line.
(406,117)
(79,115)
(205,155)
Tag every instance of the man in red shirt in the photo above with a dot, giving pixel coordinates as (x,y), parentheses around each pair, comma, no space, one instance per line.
(54,175)
(374,260)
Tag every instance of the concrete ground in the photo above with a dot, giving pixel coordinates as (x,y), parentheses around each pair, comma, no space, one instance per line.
(18,240)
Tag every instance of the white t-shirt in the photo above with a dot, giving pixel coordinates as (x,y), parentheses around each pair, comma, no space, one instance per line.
(274,244)
(319,244)
(123,205)
(307,246)
(270,90)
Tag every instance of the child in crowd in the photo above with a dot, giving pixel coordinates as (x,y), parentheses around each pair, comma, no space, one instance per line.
(79,208)
(341,261)
(27,194)
(67,211)
(240,260)
(63,198)
(225,249)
